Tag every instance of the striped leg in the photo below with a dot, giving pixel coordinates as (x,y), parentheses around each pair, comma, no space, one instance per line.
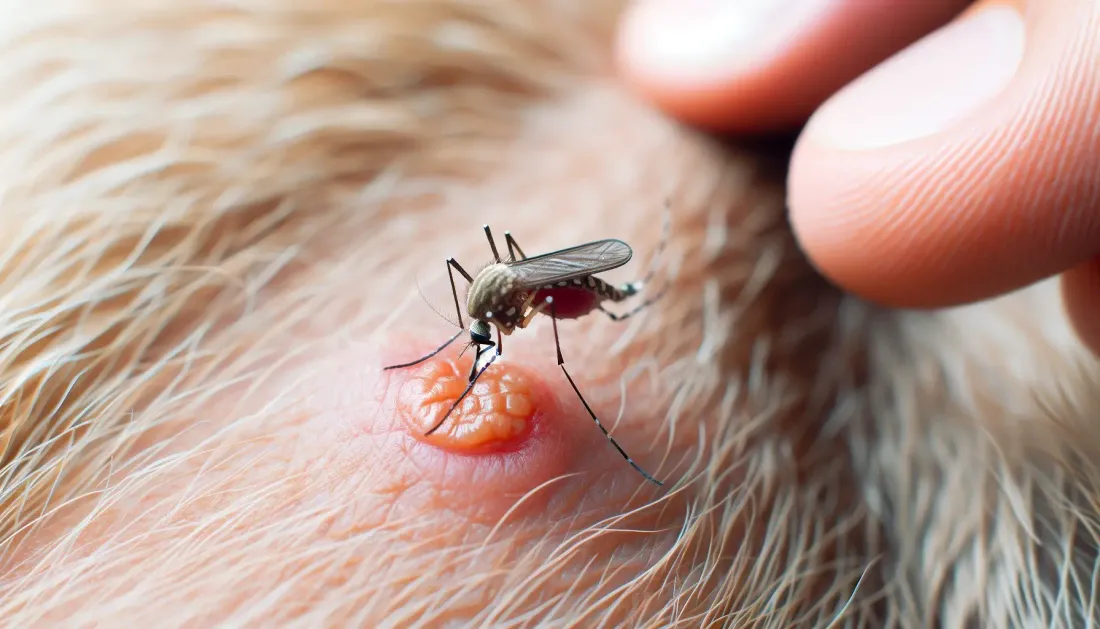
(561,363)
(640,307)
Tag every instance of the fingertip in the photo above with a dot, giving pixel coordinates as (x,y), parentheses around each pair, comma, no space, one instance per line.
(1081,297)
(848,223)
(760,66)
(716,64)
(960,170)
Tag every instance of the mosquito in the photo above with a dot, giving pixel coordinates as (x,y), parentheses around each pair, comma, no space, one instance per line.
(561,284)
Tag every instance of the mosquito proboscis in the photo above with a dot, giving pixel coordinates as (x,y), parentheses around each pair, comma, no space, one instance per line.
(562,284)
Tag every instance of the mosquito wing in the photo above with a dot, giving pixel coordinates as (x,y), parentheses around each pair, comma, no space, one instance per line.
(566,264)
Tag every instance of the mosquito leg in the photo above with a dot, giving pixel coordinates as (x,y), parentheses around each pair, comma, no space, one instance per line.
(537,309)
(513,247)
(561,363)
(526,305)
(480,351)
(420,360)
(458,267)
(492,244)
(477,357)
(640,307)
(469,387)
(453,264)
(473,367)
(633,288)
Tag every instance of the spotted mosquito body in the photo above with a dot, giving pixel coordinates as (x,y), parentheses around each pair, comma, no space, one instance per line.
(508,294)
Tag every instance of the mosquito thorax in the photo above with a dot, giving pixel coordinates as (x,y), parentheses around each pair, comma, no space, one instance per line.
(493,298)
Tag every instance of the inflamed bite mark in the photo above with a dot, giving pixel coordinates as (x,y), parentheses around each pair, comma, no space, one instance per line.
(497,414)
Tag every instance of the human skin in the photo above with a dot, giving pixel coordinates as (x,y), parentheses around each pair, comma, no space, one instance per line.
(220,226)
(949,153)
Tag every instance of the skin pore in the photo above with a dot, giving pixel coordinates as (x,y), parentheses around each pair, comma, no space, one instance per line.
(221,224)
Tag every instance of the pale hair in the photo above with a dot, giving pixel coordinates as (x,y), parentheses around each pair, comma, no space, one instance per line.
(187,191)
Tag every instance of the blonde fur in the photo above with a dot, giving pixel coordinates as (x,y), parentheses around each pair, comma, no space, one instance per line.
(212,215)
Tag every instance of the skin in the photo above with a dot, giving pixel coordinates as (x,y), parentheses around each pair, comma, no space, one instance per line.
(218,227)
(991,199)
(276,238)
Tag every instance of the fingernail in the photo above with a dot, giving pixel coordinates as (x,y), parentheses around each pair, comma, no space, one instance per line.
(707,39)
(926,88)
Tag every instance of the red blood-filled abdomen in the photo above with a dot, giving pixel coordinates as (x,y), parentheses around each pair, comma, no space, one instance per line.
(569,302)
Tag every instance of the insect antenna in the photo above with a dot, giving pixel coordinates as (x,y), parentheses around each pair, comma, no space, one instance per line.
(425,298)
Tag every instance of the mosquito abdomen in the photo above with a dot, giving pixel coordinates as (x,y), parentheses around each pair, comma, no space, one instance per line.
(570,302)
(611,293)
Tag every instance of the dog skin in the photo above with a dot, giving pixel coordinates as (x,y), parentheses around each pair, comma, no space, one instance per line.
(220,224)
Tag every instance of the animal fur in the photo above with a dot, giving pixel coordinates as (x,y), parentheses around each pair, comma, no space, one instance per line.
(208,211)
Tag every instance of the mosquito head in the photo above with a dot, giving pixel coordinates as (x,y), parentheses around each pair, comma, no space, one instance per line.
(481,333)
